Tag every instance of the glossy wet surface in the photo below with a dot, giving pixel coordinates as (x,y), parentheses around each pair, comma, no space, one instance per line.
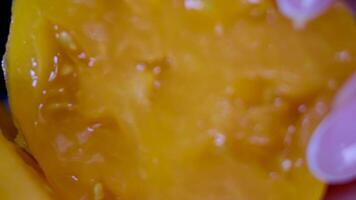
(174,99)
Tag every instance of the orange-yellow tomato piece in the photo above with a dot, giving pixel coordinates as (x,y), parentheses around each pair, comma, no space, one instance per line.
(6,123)
(18,180)
(174,99)
(20,177)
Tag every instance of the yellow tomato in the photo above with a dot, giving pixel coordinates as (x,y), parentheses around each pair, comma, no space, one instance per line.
(174,99)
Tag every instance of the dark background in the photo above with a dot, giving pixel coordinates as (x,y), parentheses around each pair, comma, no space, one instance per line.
(5,13)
